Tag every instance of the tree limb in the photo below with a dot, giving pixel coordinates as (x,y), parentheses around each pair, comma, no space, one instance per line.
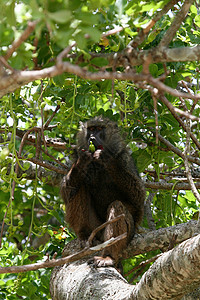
(30,28)
(181,15)
(10,82)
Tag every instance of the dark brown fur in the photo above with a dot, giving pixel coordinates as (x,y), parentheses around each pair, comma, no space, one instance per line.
(101,185)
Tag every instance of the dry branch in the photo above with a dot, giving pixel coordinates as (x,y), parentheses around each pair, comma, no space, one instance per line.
(22,77)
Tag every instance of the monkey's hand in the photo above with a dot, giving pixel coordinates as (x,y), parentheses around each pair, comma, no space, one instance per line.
(97,154)
(84,159)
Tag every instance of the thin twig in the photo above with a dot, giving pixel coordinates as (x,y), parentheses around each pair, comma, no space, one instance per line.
(42,117)
(176,150)
(187,168)
(5,63)
(112,31)
(61,261)
(141,266)
(154,96)
(63,54)
(46,125)
(169,186)
(186,114)
(44,164)
(172,110)
(97,229)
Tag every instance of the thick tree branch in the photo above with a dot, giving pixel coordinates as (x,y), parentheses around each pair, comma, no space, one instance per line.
(174,274)
(181,268)
(160,239)
(17,79)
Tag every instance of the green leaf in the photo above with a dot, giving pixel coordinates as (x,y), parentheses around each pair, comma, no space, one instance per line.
(193,9)
(87,18)
(61,16)
(11,14)
(91,32)
(197,21)
(153,68)
(142,158)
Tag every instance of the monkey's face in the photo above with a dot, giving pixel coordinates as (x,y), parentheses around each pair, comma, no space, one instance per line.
(99,136)
(95,137)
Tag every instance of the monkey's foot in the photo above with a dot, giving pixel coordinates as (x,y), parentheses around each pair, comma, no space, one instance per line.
(99,261)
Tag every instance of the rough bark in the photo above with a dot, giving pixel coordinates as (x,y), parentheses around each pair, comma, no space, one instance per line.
(173,275)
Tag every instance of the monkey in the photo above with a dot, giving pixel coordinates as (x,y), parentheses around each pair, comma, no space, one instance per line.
(103,183)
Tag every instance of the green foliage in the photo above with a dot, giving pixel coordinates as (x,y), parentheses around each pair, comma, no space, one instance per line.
(37,208)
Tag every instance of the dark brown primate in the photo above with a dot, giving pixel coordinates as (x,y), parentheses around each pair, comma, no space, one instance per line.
(102,184)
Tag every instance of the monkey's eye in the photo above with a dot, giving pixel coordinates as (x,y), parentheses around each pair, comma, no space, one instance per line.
(95,128)
(91,128)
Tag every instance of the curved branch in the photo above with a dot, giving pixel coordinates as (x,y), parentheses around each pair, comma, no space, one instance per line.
(20,78)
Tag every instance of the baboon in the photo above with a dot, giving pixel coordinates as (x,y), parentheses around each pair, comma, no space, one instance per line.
(103,183)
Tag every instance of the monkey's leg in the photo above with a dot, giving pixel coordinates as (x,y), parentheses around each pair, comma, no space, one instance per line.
(80,214)
(110,256)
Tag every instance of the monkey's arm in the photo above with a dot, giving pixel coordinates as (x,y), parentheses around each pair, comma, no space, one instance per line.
(73,180)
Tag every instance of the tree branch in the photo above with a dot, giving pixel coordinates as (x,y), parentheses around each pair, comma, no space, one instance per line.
(171,109)
(169,186)
(30,28)
(171,147)
(140,244)
(10,82)
(181,15)
(60,261)
(144,31)
(180,266)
